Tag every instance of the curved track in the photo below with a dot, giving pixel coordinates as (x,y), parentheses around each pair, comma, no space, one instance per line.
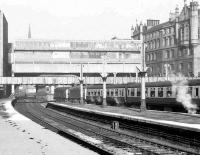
(62,122)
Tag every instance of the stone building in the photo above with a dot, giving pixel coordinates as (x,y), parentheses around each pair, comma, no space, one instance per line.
(172,47)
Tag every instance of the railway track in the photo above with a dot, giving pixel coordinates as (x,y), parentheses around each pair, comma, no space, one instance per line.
(144,131)
(109,138)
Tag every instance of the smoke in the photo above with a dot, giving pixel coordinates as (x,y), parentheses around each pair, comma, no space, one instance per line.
(181,89)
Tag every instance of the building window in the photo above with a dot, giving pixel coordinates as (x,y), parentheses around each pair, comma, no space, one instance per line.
(167,54)
(180,53)
(158,43)
(172,53)
(189,52)
(172,40)
(172,30)
(180,66)
(163,41)
(186,32)
(167,41)
(151,56)
(160,33)
(189,66)
(147,57)
(172,66)
(155,56)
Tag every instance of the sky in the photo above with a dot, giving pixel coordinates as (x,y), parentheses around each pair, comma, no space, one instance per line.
(81,19)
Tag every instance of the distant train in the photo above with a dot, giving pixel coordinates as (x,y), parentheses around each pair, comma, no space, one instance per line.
(159,95)
(29,91)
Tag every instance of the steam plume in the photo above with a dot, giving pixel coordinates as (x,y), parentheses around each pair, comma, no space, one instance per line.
(180,88)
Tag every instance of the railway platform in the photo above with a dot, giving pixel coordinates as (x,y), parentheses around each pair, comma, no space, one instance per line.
(177,121)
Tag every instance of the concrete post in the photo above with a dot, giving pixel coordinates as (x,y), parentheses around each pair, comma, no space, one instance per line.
(143,92)
(143,72)
(13,86)
(81,85)
(81,92)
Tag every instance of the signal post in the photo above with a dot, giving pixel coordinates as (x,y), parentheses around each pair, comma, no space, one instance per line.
(81,85)
(104,103)
(142,73)
(104,76)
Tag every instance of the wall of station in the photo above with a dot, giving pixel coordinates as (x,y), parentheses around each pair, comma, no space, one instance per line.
(74,68)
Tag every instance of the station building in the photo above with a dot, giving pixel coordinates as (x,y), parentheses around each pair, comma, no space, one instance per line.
(172,47)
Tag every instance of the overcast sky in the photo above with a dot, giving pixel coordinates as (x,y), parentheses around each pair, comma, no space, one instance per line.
(81,19)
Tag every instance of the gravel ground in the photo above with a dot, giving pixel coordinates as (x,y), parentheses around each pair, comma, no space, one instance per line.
(20,136)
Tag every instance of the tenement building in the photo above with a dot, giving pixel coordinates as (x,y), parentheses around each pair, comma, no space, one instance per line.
(172,47)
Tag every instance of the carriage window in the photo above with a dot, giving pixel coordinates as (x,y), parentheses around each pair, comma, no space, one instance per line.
(122,92)
(190,90)
(197,92)
(132,91)
(95,93)
(152,92)
(128,91)
(88,93)
(108,93)
(112,93)
(101,92)
(169,92)
(116,92)
(98,92)
(160,92)
(138,91)
(146,92)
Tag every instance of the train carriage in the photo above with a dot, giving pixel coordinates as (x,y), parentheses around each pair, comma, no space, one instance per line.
(159,95)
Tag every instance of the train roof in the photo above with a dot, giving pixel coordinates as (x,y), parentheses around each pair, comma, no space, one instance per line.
(62,88)
(194,82)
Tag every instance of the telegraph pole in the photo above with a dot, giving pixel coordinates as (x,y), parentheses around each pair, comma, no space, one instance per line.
(81,85)
(143,72)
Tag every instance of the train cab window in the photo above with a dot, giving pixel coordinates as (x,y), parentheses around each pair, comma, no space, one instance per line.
(169,92)
(196,92)
(138,92)
(152,92)
(160,92)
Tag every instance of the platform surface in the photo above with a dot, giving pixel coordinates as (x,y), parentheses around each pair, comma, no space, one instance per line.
(21,136)
(171,119)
